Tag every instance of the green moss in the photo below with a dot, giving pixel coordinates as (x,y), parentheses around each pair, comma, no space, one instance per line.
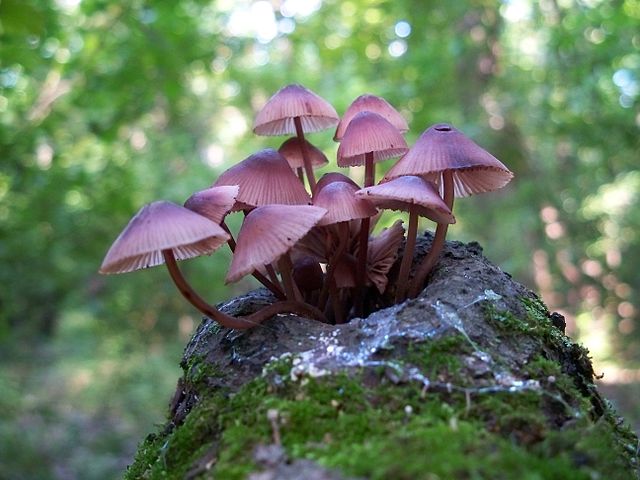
(173,454)
(439,358)
(535,322)
(198,371)
(364,427)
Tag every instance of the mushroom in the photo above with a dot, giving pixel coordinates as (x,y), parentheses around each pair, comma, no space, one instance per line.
(418,197)
(291,150)
(162,232)
(266,235)
(331,177)
(295,109)
(342,206)
(368,138)
(371,103)
(213,202)
(264,178)
(459,167)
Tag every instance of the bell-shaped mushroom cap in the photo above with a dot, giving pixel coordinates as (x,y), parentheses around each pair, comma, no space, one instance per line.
(265,178)
(162,226)
(213,202)
(341,203)
(331,177)
(403,192)
(382,253)
(267,233)
(276,117)
(291,150)
(371,103)
(442,147)
(368,132)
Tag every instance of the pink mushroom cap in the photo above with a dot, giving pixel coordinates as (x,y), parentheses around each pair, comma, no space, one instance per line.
(369,132)
(443,147)
(291,101)
(342,204)
(410,191)
(371,103)
(213,202)
(264,178)
(161,226)
(267,233)
(292,152)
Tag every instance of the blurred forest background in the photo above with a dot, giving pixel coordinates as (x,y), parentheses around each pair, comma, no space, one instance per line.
(107,105)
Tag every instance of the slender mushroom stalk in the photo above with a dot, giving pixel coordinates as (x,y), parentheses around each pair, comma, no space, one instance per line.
(229,321)
(286,268)
(308,168)
(409,247)
(438,240)
(369,178)
(329,282)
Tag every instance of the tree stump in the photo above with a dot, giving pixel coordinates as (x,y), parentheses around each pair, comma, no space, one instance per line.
(474,378)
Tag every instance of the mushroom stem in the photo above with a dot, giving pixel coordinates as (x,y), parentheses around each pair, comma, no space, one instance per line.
(369,170)
(274,287)
(272,274)
(438,240)
(363,240)
(407,258)
(308,168)
(343,229)
(338,313)
(229,321)
(286,267)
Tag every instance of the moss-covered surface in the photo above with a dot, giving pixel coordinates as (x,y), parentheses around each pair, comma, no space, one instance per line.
(484,385)
(362,424)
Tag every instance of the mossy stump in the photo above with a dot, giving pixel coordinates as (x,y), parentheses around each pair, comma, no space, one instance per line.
(475,378)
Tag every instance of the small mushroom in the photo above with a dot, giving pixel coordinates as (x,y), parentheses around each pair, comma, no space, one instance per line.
(368,138)
(342,206)
(266,236)
(371,103)
(264,178)
(291,150)
(297,110)
(213,202)
(416,196)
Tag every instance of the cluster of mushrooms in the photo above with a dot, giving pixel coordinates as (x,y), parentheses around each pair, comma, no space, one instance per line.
(316,252)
